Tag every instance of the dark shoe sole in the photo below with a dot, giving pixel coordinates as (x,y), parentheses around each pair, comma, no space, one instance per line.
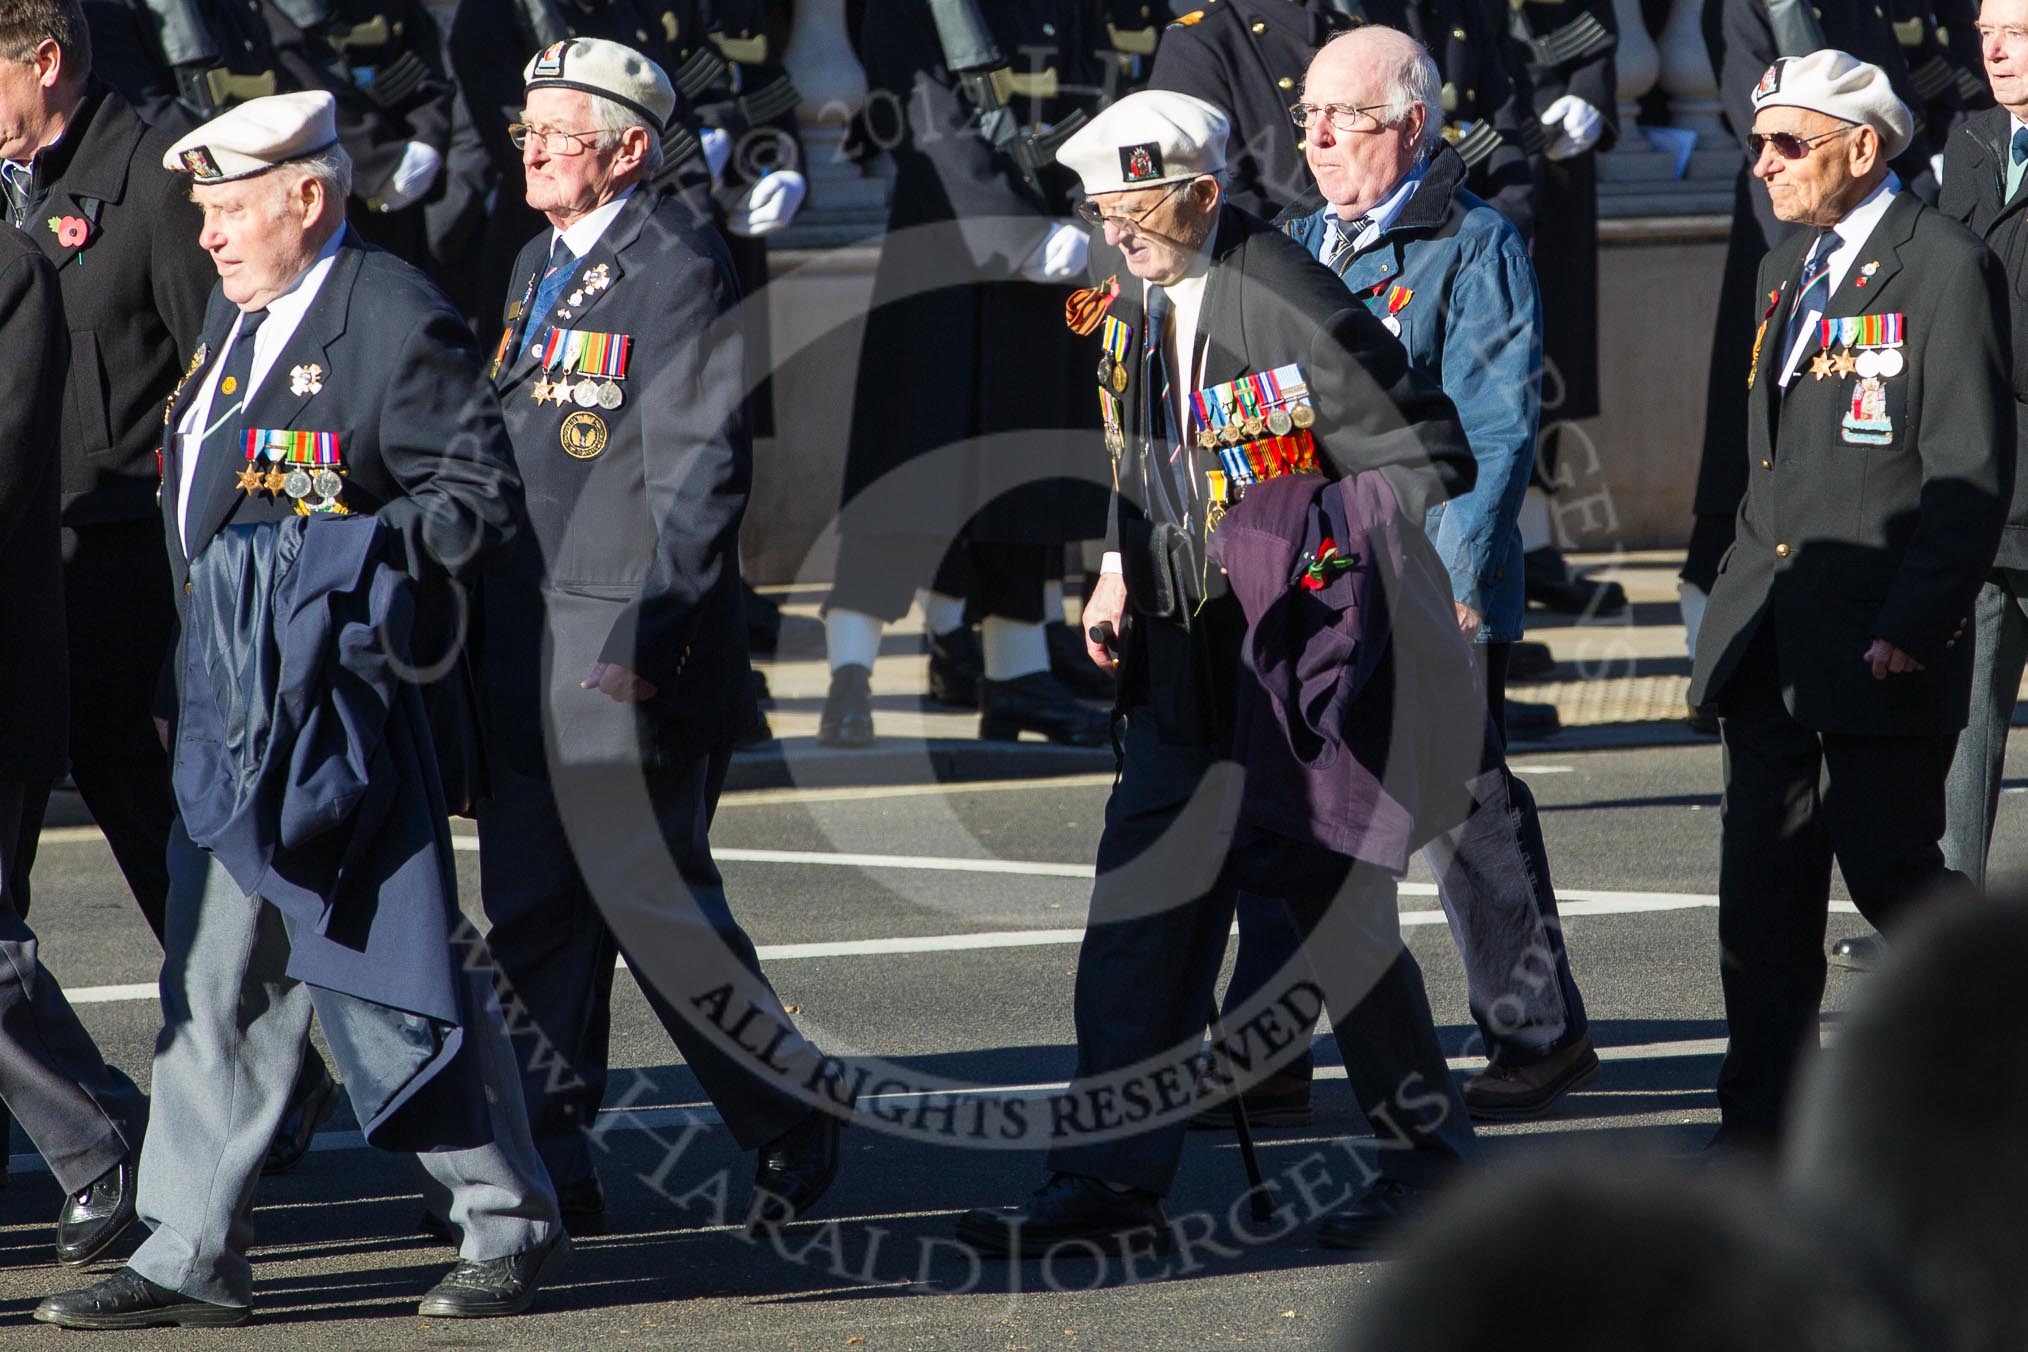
(991,1241)
(758,1226)
(1010,730)
(500,1309)
(1220,1119)
(1535,1107)
(193,1317)
(317,1113)
(106,1241)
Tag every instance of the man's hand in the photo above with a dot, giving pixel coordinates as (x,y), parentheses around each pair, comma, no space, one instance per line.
(1469,620)
(618,684)
(1107,604)
(413,177)
(162,732)
(1574,127)
(1884,657)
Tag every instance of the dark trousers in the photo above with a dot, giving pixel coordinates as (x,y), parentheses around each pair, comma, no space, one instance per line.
(1492,873)
(1148,972)
(81,1114)
(1796,799)
(877,575)
(133,804)
(554,946)
(1999,654)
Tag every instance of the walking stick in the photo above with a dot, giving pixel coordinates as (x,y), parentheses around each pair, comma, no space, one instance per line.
(1256,1185)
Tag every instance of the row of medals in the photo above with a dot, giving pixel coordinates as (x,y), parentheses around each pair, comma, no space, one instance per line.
(1872,362)
(1277,421)
(586,393)
(297,483)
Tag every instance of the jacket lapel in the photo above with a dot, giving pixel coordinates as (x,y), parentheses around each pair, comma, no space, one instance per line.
(577,300)
(219,321)
(1878,260)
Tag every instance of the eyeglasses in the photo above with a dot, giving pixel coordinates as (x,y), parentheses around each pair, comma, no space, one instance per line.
(1342,117)
(1787,144)
(554,142)
(1090,211)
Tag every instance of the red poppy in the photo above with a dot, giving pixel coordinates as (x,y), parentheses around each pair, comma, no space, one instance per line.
(73,231)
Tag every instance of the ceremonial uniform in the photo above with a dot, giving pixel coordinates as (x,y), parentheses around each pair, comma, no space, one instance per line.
(1881,445)
(1248,57)
(1743,41)
(122,234)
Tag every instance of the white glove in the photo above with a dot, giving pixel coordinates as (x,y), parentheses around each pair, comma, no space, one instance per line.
(1060,256)
(1574,126)
(1936,166)
(717,151)
(772,204)
(413,177)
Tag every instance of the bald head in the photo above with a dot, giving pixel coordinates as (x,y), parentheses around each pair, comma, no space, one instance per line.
(1371,95)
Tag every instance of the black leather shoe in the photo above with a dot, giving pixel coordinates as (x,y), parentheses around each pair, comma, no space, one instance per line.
(93,1220)
(1862,954)
(1038,702)
(1374,1218)
(1531,722)
(793,1171)
(957,662)
(847,719)
(310,1109)
(1071,664)
(127,1300)
(1548,582)
(1280,1100)
(583,1207)
(1702,718)
(496,1287)
(1068,1207)
(1530,662)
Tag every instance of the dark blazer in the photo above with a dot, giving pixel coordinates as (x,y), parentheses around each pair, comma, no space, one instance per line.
(1842,540)
(1248,58)
(1266,304)
(1975,177)
(633,550)
(33,661)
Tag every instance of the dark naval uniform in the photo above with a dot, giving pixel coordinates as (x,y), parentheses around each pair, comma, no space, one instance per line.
(1743,44)
(1247,57)
(595,842)
(1877,487)
(134,283)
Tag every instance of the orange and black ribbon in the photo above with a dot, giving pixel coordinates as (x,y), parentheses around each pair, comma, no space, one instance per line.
(1085,308)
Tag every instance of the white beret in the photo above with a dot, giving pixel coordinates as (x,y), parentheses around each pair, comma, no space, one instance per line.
(1147,138)
(607,69)
(255,136)
(1838,84)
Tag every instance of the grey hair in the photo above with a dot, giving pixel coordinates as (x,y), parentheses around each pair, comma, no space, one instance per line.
(331,167)
(1409,76)
(612,118)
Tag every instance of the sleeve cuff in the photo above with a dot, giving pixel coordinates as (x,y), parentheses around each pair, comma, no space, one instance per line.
(1110,563)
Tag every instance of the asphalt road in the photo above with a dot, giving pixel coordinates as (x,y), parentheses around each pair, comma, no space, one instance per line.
(339,1263)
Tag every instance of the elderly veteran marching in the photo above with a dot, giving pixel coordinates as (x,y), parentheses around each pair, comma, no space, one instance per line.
(614,651)
(333,459)
(1231,357)
(1837,644)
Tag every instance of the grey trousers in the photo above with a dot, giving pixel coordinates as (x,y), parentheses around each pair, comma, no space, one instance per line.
(1972,791)
(234,1025)
(82,1115)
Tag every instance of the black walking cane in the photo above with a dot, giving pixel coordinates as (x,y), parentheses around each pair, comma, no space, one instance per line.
(1256,1185)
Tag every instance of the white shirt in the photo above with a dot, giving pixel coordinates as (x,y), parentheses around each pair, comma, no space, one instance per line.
(586,231)
(285,313)
(1853,232)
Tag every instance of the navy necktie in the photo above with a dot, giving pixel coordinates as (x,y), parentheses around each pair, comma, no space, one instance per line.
(554,280)
(2020,144)
(1168,464)
(1815,291)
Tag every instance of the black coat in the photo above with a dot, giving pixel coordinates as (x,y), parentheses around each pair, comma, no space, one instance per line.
(1267,303)
(33,667)
(633,550)
(1850,534)
(1248,58)
(1741,44)
(1974,180)
(956,346)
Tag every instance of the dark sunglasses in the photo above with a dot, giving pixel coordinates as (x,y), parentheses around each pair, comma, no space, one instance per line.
(1787,144)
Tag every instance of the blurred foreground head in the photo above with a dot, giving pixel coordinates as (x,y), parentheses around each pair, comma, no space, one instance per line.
(1910,1142)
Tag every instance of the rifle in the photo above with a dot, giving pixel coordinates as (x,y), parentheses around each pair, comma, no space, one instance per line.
(987,82)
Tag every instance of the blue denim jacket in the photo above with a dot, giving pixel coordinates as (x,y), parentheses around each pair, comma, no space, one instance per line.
(1472,321)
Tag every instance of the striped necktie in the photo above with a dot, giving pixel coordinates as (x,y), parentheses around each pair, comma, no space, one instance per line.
(1338,241)
(1815,292)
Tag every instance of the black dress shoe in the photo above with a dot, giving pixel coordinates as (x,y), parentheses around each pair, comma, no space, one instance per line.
(1702,718)
(583,1207)
(1068,1207)
(1530,661)
(1280,1100)
(495,1287)
(127,1300)
(93,1220)
(1374,1218)
(957,662)
(847,719)
(1531,722)
(1071,664)
(1038,702)
(793,1171)
(315,1099)
(1547,581)
(1861,954)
